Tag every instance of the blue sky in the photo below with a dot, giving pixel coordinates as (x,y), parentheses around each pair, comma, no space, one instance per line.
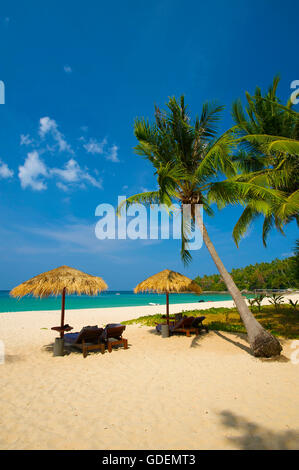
(76,76)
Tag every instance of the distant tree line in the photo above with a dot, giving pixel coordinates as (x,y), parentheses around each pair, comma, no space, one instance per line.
(279,274)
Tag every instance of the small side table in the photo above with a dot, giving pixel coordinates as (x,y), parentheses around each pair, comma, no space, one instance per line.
(58,349)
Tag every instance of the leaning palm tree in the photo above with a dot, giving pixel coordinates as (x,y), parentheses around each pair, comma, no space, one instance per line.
(269,141)
(188,159)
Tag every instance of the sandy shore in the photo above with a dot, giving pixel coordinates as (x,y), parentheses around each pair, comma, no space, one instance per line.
(206,392)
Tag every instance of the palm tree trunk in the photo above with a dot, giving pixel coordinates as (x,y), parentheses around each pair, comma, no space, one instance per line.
(262,343)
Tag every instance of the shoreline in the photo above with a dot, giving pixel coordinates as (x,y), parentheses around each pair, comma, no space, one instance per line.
(136,309)
(176,306)
(78,317)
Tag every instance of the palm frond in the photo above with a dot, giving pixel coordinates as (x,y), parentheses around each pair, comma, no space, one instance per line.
(289,207)
(209,118)
(251,212)
(267,226)
(218,158)
(270,144)
(236,192)
(150,197)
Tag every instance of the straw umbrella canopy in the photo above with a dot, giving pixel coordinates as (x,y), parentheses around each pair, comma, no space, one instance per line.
(167,282)
(60,281)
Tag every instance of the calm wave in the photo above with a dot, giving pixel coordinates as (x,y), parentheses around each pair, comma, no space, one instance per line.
(105,299)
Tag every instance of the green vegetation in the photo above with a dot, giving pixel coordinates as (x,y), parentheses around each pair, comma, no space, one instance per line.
(293,303)
(276,300)
(296,259)
(282,323)
(258,300)
(268,155)
(279,274)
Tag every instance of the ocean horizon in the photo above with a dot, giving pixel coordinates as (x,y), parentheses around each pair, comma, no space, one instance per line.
(106,299)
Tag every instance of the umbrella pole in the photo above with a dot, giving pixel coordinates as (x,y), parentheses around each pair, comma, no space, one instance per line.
(62,313)
(167,307)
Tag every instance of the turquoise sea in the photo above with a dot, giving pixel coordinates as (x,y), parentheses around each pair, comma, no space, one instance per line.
(105,299)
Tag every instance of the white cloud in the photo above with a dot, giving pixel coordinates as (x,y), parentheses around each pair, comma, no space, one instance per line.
(5,172)
(95,147)
(62,186)
(77,235)
(112,154)
(67,69)
(31,172)
(46,125)
(288,254)
(25,139)
(72,173)
(34,172)
(93,181)
(49,126)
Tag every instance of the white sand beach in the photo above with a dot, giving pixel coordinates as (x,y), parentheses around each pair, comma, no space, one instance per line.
(205,392)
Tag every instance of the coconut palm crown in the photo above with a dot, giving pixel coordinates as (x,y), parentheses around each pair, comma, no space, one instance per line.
(189,161)
(268,138)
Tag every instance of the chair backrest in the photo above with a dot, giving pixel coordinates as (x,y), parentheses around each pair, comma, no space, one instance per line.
(113,330)
(178,316)
(185,322)
(198,321)
(89,333)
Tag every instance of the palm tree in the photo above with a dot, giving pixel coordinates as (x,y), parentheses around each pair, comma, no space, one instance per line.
(269,140)
(188,159)
(296,260)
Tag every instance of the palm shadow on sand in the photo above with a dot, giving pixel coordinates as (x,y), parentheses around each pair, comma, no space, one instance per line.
(253,436)
(242,346)
(235,343)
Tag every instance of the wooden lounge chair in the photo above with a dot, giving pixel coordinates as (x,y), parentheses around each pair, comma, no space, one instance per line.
(112,336)
(178,316)
(197,323)
(88,339)
(185,325)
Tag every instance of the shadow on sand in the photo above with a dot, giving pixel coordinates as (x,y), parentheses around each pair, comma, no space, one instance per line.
(252,436)
(12,358)
(235,343)
(196,339)
(69,349)
(280,358)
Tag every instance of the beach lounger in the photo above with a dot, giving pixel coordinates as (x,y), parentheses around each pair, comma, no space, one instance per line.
(88,339)
(185,325)
(112,336)
(197,323)
(178,316)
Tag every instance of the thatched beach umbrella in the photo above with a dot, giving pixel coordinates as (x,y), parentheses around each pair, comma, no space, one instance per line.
(167,282)
(60,281)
